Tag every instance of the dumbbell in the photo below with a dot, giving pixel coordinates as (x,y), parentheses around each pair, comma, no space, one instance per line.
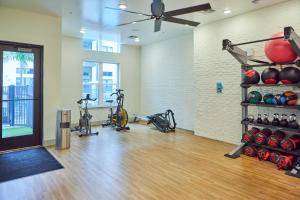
(263,154)
(262,136)
(290,143)
(250,151)
(285,162)
(275,139)
(274,157)
(249,135)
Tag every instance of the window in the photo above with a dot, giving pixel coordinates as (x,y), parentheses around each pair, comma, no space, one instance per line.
(100,80)
(101,45)
(90,80)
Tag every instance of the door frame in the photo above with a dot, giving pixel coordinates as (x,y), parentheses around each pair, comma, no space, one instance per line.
(19,142)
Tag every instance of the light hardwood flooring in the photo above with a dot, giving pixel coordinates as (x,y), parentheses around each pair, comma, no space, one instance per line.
(146,164)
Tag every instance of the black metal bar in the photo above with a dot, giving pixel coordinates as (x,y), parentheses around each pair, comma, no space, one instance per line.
(269,85)
(272,64)
(295,153)
(259,61)
(290,130)
(21,100)
(256,41)
(271,105)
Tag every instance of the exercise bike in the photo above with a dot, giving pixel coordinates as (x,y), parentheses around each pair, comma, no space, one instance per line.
(84,126)
(119,118)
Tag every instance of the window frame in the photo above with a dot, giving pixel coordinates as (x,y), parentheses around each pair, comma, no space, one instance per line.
(100,47)
(100,104)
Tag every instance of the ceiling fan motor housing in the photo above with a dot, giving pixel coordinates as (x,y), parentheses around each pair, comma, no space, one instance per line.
(157,9)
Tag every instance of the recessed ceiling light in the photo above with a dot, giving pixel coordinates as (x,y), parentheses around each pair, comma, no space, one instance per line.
(227,11)
(123,6)
(135,38)
(255,1)
(133,22)
(82,31)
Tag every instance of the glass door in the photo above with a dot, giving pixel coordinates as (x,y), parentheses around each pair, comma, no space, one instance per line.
(20,75)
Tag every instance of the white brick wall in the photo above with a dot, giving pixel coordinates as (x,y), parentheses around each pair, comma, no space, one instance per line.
(218,116)
(166,79)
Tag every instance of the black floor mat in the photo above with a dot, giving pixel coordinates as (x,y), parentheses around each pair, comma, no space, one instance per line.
(26,163)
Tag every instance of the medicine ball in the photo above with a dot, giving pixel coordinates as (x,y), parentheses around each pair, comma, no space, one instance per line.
(285,162)
(279,51)
(268,98)
(282,100)
(270,76)
(276,99)
(274,157)
(250,151)
(289,75)
(291,98)
(262,136)
(263,154)
(254,97)
(249,136)
(251,77)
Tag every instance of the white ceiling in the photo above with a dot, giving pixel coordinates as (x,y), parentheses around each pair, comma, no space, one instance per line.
(100,22)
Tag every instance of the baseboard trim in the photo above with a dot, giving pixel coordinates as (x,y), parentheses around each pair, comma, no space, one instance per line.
(47,143)
(186,131)
(99,123)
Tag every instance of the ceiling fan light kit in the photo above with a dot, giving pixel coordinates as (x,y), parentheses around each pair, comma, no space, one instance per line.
(159,15)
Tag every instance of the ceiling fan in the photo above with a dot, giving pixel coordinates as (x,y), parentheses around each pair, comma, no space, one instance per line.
(159,14)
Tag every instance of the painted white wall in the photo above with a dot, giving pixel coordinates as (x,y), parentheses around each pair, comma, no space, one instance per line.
(27,27)
(166,79)
(218,116)
(73,56)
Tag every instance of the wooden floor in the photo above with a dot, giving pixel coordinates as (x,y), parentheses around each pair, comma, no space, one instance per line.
(146,164)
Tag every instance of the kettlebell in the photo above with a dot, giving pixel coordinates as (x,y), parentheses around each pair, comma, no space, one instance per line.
(275,121)
(293,121)
(250,118)
(259,120)
(283,121)
(266,120)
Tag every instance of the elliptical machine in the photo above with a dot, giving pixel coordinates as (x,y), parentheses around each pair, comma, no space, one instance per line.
(119,119)
(84,126)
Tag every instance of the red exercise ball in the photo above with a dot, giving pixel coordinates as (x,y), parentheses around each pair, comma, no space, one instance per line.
(280,51)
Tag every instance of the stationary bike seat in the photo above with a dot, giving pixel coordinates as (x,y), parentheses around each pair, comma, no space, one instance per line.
(109,101)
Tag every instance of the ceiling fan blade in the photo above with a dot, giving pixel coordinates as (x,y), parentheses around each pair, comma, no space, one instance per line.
(157,25)
(192,9)
(181,21)
(134,22)
(128,11)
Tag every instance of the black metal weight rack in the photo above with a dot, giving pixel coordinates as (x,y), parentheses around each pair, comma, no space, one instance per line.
(241,56)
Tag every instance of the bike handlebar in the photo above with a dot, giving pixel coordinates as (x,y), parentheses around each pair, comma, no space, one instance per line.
(87,98)
(118,92)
